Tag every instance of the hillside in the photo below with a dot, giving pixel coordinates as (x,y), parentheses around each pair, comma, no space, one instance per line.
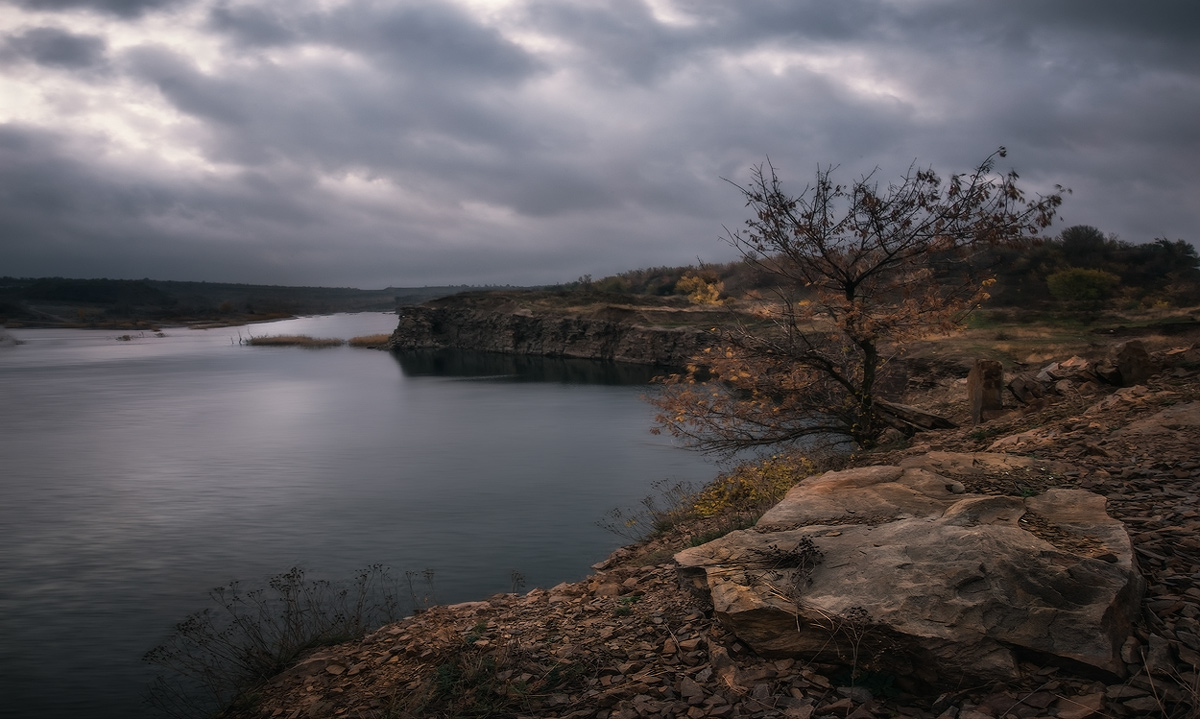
(627,642)
(141,304)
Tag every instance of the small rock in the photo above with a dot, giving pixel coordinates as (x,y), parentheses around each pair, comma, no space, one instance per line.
(1131,650)
(1120,692)
(691,691)
(1157,656)
(608,589)
(841,705)
(1145,706)
(859,695)
(1080,707)
(864,713)
(798,711)
(691,645)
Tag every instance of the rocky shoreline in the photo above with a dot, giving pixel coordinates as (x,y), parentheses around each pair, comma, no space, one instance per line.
(629,642)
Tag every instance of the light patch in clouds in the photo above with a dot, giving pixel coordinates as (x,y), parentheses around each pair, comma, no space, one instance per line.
(370,143)
(670,14)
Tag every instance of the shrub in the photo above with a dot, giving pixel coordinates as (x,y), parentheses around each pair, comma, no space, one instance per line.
(752,486)
(294,341)
(217,654)
(370,341)
(669,505)
(699,290)
(1087,286)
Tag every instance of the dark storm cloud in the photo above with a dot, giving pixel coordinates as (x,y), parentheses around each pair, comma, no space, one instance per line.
(121,8)
(59,211)
(54,47)
(184,86)
(434,40)
(1170,23)
(400,121)
(107,220)
(424,38)
(338,121)
(626,36)
(621,38)
(370,142)
(98,219)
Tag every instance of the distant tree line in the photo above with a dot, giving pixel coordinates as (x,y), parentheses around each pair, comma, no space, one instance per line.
(109,302)
(1085,266)
(1080,268)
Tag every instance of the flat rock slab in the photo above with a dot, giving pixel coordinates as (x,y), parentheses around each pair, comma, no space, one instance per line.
(1180,416)
(898,569)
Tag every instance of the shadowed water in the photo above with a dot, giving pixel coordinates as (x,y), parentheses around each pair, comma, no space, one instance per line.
(139,474)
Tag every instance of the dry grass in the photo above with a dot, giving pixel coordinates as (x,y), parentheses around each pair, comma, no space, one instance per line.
(373,342)
(1043,339)
(295,341)
(1021,345)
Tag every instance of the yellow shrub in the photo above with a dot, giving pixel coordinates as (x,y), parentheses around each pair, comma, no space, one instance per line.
(699,290)
(753,485)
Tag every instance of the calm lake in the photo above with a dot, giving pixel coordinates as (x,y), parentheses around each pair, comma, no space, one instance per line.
(137,475)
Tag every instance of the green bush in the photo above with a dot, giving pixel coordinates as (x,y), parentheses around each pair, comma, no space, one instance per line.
(1077,284)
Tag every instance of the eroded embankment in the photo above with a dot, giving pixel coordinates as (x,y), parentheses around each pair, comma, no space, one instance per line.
(663,336)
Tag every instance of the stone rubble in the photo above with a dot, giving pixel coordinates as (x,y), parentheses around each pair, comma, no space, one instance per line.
(628,643)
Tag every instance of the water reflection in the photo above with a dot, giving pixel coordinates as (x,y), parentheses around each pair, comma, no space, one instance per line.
(138,475)
(514,368)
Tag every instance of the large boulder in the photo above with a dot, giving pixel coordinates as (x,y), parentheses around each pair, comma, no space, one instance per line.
(899,569)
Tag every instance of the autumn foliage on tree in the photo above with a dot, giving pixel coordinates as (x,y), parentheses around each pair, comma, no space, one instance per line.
(858,271)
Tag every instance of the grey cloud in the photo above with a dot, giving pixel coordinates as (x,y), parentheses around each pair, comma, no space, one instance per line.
(185,86)
(434,42)
(1170,21)
(94,219)
(419,38)
(73,217)
(754,21)
(254,26)
(121,8)
(333,119)
(624,37)
(1089,37)
(620,38)
(57,48)
(44,184)
(498,163)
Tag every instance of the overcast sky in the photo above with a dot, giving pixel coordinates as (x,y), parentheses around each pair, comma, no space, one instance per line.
(375,143)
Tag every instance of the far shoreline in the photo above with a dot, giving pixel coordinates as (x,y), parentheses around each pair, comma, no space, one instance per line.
(142,325)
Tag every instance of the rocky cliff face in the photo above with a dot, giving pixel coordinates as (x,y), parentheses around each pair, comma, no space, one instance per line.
(611,333)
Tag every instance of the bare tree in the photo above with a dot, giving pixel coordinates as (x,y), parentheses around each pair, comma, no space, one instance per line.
(857,272)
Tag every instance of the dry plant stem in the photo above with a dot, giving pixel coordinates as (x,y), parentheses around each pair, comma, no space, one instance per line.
(215,655)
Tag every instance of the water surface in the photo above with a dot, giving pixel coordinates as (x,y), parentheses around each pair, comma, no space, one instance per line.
(139,474)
